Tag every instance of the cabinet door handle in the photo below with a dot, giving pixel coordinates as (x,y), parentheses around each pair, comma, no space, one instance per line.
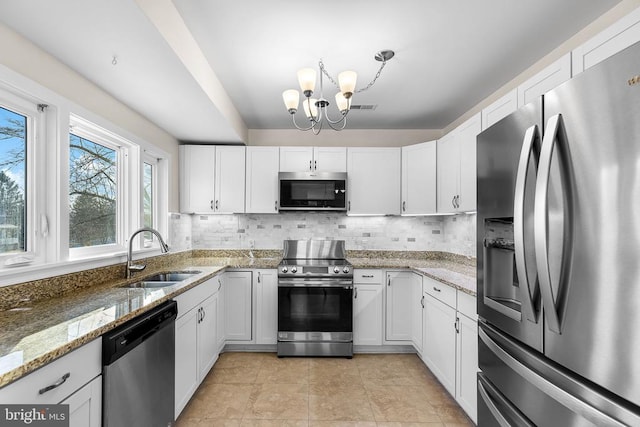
(309,164)
(355,292)
(57,384)
(216,204)
(404,206)
(457,325)
(258,277)
(422,301)
(349,205)
(204,313)
(389,281)
(436,289)
(276,206)
(453,201)
(211,204)
(368,276)
(219,284)
(315,165)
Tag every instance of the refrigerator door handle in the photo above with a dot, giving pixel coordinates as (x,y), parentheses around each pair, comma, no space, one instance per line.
(531,138)
(550,389)
(541,223)
(489,395)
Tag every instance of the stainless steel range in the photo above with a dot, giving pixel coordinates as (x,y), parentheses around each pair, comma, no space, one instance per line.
(315,299)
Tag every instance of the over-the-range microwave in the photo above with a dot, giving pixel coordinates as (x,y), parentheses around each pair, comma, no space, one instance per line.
(313,191)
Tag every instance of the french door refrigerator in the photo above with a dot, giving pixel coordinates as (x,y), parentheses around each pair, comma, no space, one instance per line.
(559,255)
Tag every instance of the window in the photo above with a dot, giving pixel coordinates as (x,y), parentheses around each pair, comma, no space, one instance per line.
(13,181)
(149,199)
(93,193)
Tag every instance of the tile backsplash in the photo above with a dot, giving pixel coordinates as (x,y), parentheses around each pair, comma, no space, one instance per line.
(455,234)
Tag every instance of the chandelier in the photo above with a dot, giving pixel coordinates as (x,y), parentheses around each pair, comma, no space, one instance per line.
(316,109)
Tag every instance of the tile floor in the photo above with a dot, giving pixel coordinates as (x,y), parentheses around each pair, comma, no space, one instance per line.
(247,389)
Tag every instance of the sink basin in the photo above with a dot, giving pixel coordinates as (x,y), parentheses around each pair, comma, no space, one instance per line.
(162,280)
(149,285)
(177,276)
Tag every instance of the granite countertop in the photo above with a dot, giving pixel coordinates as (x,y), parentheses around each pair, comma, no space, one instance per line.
(38,326)
(459,275)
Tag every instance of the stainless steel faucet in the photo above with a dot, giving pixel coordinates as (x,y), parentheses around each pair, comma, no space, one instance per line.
(131,267)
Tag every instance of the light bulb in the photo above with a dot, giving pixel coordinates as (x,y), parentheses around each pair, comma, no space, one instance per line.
(291,98)
(307,80)
(343,103)
(347,83)
(310,108)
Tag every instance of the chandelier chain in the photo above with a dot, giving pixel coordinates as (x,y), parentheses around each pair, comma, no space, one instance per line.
(371,83)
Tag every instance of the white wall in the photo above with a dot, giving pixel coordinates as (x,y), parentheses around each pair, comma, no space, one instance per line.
(28,60)
(347,137)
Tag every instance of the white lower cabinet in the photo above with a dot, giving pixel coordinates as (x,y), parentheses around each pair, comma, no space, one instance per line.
(439,352)
(74,379)
(367,307)
(450,347)
(85,405)
(265,283)
(467,365)
(238,305)
(196,339)
(399,297)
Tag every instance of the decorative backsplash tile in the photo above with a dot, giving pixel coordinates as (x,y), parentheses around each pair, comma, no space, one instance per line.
(454,234)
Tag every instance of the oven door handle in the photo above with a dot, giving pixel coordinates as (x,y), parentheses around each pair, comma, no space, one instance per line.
(316,284)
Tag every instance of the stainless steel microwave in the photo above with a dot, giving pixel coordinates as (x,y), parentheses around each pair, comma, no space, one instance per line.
(313,191)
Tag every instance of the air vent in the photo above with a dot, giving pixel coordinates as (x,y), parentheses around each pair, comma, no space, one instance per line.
(364,107)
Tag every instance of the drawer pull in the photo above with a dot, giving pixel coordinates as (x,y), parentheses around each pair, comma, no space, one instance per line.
(436,289)
(57,384)
(368,276)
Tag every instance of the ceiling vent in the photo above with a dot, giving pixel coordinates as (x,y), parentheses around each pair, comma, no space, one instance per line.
(364,107)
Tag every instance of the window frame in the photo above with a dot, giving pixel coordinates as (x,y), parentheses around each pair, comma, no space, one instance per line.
(125,150)
(36,120)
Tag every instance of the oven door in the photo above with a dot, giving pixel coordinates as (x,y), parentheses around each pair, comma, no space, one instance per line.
(315,312)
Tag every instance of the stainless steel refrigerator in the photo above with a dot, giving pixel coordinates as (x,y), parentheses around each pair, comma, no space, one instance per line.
(559,255)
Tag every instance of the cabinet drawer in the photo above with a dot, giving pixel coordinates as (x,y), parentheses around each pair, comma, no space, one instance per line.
(81,365)
(367,276)
(440,291)
(467,305)
(196,295)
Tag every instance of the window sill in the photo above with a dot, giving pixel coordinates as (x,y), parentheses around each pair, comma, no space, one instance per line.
(14,275)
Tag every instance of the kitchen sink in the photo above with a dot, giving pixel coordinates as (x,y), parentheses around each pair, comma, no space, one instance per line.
(162,280)
(149,285)
(177,276)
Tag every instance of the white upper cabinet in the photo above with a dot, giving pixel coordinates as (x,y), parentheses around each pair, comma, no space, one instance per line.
(313,159)
(456,156)
(212,179)
(229,184)
(262,180)
(549,78)
(617,37)
(419,178)
(500,109)
(330,159)
(373,181)
(197,178)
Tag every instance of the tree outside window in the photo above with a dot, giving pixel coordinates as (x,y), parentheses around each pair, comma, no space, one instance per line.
(13,145)
(92,193)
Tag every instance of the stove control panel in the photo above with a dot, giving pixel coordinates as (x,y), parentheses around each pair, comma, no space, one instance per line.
(315,271)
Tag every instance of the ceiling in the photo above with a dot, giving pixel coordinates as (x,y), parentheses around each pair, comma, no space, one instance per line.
(209,70)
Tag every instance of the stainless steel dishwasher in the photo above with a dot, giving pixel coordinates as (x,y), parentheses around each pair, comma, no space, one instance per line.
(138,370)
